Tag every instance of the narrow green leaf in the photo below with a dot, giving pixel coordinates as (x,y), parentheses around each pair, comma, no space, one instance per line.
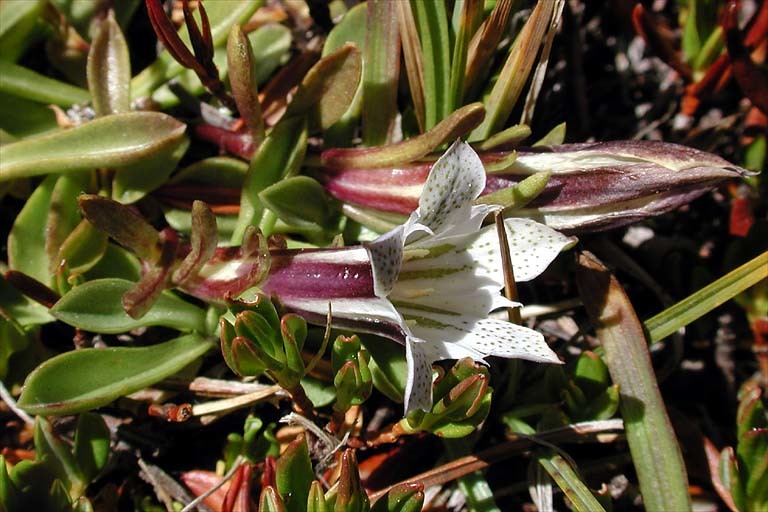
(18,21)
(85,379)
(473,486)
(706,299)
(56,455)
(222,15)
(455,125)
(566,478)
(63,214)
(514,74)
(469,12)
(432,21)
(14,340)
(27,239)
(112,141)
(91,444)
(109,69)
(24,118)
(25,83)
(242,79)
(381,72)
(96,306)
(655,452)
(412,57)
(279,156)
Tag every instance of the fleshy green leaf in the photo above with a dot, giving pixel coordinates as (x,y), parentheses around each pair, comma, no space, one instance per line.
(298,200)
(25,83)
(112,141)
(89,378)
(243,80)
(109,69)
(18,21)
(294,475)
(96,306)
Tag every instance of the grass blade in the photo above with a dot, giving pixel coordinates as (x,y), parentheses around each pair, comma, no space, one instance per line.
(655,452)
(380,73)
(708,298)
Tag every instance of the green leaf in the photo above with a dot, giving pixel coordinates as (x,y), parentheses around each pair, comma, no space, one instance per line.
(388,366)
(294,475)
(134,181)
(112,141)
(706,299)
(243,81)
(652,443)
(473,486)
(83,248)
(222,15)
(96,306)
(14,340)
(27,239)
(432,21)
(91,444)
(381,72)
(89,378)
(109,69)
(514,74)
(116,263)
(24,118)
(18,21)
(58,458)
(9,494)
(566,478)
(22,309)
(64,215)
(298,200)
(280,155)
(316,500)
(327,90)
(25,83)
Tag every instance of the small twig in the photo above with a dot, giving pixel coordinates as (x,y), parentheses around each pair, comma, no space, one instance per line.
(6,396)
(331,442)
(481,460)
(237,402)
(510,286)
(326,337)
(227,476)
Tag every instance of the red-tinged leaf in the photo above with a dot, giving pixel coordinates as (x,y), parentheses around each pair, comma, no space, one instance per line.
(141,297)
(742,217)
(203,240)
(713,462)
(123,224)
(32,288)
(660,39)
(200,481)
(236,143)
(484,43)
(752,80)
(167,35)
(453,126)
(274,96)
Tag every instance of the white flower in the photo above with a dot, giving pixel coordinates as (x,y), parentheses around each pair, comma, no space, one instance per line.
(429,283)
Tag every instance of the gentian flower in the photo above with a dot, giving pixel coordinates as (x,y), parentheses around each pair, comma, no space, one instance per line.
(429,283)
